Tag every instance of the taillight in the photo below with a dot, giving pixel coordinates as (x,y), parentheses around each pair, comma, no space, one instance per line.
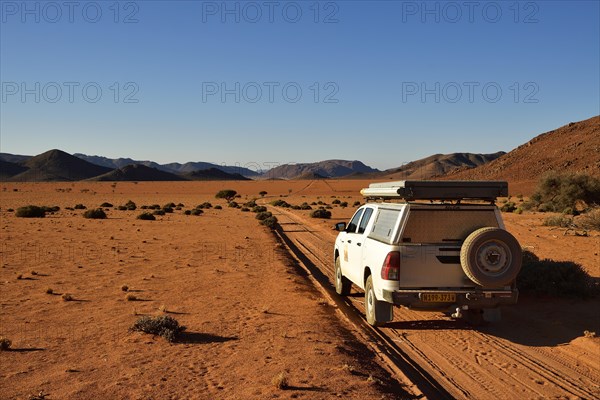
(391,267)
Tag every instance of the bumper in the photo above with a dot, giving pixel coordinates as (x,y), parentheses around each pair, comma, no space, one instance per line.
(470,298)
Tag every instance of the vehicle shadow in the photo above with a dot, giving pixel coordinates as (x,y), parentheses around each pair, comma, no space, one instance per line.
(546,322)
(434,324)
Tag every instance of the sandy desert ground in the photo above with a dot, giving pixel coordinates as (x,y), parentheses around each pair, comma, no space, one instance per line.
(251,311)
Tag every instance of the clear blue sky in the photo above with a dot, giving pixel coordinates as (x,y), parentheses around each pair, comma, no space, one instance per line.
(396,80)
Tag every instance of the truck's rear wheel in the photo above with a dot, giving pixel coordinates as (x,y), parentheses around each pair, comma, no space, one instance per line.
(491,257)
(377,312)
(342,284)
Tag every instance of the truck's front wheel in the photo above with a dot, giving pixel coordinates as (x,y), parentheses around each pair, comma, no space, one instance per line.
(342,284)
(377,312)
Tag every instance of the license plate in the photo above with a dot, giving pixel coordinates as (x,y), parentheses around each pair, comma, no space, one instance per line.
(438,297)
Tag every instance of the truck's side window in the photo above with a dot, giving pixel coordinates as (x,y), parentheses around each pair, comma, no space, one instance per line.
(384,225)
(365,220)
(354,222)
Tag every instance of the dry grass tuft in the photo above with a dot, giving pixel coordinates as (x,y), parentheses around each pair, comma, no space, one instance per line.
(5,344)
(589,334)
(280,381)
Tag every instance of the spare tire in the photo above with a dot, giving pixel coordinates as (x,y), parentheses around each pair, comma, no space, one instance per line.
(491,257)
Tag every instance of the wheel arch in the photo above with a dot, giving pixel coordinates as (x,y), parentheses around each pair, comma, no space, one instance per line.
(366,274)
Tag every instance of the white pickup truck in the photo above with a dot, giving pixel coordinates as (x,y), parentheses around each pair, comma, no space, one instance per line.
(433,251)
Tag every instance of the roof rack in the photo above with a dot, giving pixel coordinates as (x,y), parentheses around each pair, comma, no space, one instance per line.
(437,190)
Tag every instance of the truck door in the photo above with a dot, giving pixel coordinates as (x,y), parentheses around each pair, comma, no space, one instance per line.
(356,241)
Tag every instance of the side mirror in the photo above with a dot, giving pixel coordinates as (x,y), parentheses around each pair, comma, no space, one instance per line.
(340,226)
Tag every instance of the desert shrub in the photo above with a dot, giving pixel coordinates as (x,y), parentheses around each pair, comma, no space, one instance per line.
(206,204)
(106,205)
(178,208)
(227,194)
(217,207)
(570,211)
(98,213)
(336,201)
(10,209)
(519,210)
(163,325)
(561,191)
(180,205)
(30,212)
(188,212)
(262,193)
(122,208)
(263,215)
(245,209)
(79,207)
(125,288)
(233,204)
(258,209)
(280,203)
(295,207)
(67,297)
(5,344)
(168,209)
(554,278)
(146,216)
(344,204)
(356,204)
(158,212)
(52,209)
(196,211)
(250,204)
(280,381)
(169,205)
(131,297)
(591,219)
(154,207)
(270,222)
(314,203)
(130,205)
(508,207)
(320,213)
(328,207)
(546,207)
(320,203)
(305,206)
(558,220)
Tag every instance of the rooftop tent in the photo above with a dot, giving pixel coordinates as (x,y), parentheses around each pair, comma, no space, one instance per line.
(437,190)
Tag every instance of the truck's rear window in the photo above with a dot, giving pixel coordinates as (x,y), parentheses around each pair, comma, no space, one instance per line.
(439,226)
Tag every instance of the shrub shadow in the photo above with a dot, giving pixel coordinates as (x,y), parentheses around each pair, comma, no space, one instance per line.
(202,338)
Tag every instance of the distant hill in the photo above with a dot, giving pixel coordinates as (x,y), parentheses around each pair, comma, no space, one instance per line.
(9,169)
(14,158)
(137,172)
(309,176)
(571,148)
(56,165)
(438,165)
(325,169)
(213,174)
(175,168)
